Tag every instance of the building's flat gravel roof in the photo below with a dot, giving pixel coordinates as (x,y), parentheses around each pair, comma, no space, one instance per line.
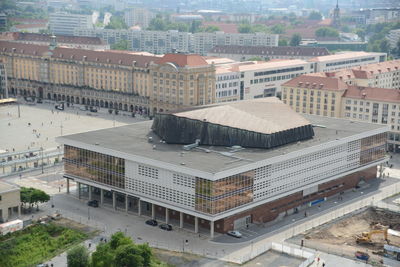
(133,139)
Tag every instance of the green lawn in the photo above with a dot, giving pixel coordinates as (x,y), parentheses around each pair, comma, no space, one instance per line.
(36,244)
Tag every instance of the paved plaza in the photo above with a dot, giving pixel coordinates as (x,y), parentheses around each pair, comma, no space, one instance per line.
(46,123)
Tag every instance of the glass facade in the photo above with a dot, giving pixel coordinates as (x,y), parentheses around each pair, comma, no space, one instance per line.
(217,196)
(94,166)
(373,148)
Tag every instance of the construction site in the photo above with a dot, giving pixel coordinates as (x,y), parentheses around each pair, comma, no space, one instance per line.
(371,235)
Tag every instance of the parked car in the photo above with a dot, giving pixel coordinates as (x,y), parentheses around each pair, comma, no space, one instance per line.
(166,227)
(236,234)
(152,222)
(93,203)
(40,101)
(93,109)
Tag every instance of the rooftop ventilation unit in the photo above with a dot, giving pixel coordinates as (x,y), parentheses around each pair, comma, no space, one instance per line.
(191,146)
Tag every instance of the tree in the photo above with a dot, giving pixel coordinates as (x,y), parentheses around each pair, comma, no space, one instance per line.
(157,24)
(282,42)
(103,256)
(384,45)
(326,32)
(116,22)
(255,59)
(121,45)
(278,28)
(211,28)
(33,196)
(315,16)
(397,49)
(78,257)
(360,33)
(195,26)
(295,40)
(245,28)
(121,252)
(128,256)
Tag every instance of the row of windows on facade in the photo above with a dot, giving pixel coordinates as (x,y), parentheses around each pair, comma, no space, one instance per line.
(275,78)
(227,77)
(173,76)
(310,99)
(227,93)
(311,106)
(226,85)
(347,62)
(312,92)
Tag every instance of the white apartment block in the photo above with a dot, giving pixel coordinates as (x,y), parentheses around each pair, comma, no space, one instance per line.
(138,17)
(394,37)
(65,24)
(160,42)
(204,42)
(227,84)
(264,79)
(345,60)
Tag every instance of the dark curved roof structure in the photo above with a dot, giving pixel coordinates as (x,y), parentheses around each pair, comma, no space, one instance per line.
(261,123)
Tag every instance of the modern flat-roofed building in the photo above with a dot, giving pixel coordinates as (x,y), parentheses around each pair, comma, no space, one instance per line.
(264,79)
(394,38)
(205,41)
(345,60)
(10,201)
(223,166)
(138,17)
(65,24)
(243,53)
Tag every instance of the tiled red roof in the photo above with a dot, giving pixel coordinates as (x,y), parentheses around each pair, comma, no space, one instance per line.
(183,60)
(20,36)
(371,93)
(317,82)
(29,21)
(78,54)
(28,26)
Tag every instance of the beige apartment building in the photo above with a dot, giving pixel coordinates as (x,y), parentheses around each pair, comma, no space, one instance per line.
(332,97)
(383,75)
(314,95)
(118,80)
(10,201)
(179,80)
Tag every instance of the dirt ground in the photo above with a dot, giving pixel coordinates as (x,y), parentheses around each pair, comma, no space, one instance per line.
(339,237)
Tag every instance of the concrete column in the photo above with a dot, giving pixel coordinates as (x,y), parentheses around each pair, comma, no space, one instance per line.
(67,185)
(114,200)
(166,215)
(212,229)
(139,207)
(78,188)
(19,210)
(153,211)
(126,203)
(180,219)
(90,192)
(196,225)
